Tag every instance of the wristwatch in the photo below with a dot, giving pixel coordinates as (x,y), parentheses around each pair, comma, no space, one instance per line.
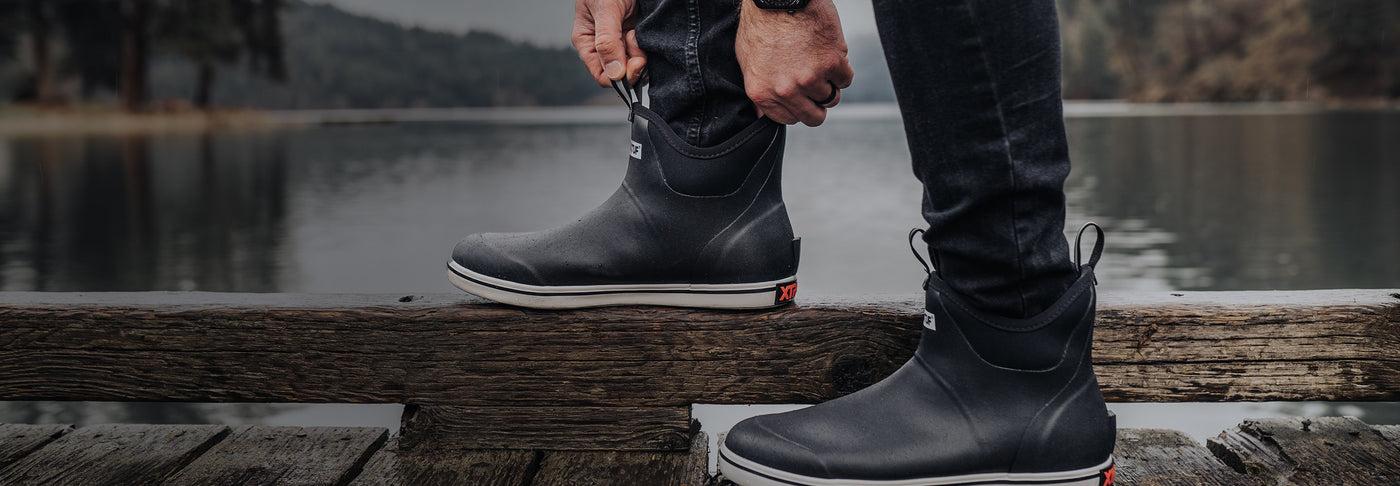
(789,5)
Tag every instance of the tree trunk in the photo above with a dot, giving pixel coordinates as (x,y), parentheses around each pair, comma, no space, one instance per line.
(274,50)
(204,85)
(135,44)
(43,63)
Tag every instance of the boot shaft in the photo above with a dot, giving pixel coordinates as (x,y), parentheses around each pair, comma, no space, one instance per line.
(1046,395)
(720,207)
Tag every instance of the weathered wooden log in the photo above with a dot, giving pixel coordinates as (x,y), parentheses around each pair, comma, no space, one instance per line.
(1324,450)
(453,351)
(1154,457)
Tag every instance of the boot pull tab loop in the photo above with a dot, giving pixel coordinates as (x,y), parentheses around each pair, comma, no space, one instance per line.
(629,95)
(1098,246)
(913,233)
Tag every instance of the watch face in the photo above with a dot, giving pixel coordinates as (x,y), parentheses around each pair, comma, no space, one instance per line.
(781,4)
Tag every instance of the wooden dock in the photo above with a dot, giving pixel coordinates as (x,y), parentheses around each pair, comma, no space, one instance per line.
(1330,451)
(498,395)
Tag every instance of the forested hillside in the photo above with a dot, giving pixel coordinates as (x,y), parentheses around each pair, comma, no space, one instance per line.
(1231,50)
(339,60)
(267,54)
(292,54)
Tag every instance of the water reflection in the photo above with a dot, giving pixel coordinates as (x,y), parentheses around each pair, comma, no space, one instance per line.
(1192,202)
(1246,202)
(143,212)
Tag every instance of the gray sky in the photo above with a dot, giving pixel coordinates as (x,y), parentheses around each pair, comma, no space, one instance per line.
(545,22)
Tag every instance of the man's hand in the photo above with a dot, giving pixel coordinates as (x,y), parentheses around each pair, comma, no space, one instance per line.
(791,61)
(605,39)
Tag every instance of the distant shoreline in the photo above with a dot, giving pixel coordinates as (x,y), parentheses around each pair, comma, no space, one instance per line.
(43,121)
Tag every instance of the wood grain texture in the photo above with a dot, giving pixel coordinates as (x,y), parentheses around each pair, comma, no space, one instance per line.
(1152,457)
(392,466)
(114,454)
(1390,432)
(585,428)
(592,468)
(17,441)
(271,455)
(452,350)
(1326,450)
(450,355)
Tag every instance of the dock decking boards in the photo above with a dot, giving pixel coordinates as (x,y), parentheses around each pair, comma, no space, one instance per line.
(392,467)
(284,456)
(17,440)
(114,454)
(590,428)
(1257,452)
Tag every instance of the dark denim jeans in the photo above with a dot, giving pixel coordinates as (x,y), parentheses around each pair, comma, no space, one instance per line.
(695,79)
(978,85)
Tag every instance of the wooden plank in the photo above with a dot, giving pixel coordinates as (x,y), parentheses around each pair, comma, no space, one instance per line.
(1316,345)
(588,428)
(1327,450)
(114,454)
(1151,457)
(285,456)
(588,468)
(1390,432)
(17,440)
(392,466)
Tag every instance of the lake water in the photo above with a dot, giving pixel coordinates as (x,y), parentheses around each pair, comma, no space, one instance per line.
(1195,198)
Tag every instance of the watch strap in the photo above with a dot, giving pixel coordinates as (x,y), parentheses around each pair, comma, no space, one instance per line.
(781,4)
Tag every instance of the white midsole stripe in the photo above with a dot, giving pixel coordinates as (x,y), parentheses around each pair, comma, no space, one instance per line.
(567,289)
(743,300)
(733,466)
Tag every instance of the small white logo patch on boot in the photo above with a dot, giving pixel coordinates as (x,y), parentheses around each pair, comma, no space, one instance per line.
(636,150)
(928,321)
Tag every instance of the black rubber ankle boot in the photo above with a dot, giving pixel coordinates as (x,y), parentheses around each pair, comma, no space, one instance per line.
(985,400)
(690,226)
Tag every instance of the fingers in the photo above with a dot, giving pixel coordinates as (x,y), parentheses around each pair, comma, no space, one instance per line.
(598,38)
(608,41)
(636,58)
(824,95)
(787,100)
(834,101)
(842,75)
(791,102)
(582,38)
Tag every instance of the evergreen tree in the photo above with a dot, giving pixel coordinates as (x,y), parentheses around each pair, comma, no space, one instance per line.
(204,32)
(1364,59)
(136,47)
(92,30)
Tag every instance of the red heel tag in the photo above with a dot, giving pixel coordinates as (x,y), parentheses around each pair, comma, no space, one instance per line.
(785,293)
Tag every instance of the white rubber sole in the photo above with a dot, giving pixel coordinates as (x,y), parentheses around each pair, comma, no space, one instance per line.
(756,295)
(748,473)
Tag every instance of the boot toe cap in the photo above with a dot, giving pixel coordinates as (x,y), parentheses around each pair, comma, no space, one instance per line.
(756,439)
(485,254)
